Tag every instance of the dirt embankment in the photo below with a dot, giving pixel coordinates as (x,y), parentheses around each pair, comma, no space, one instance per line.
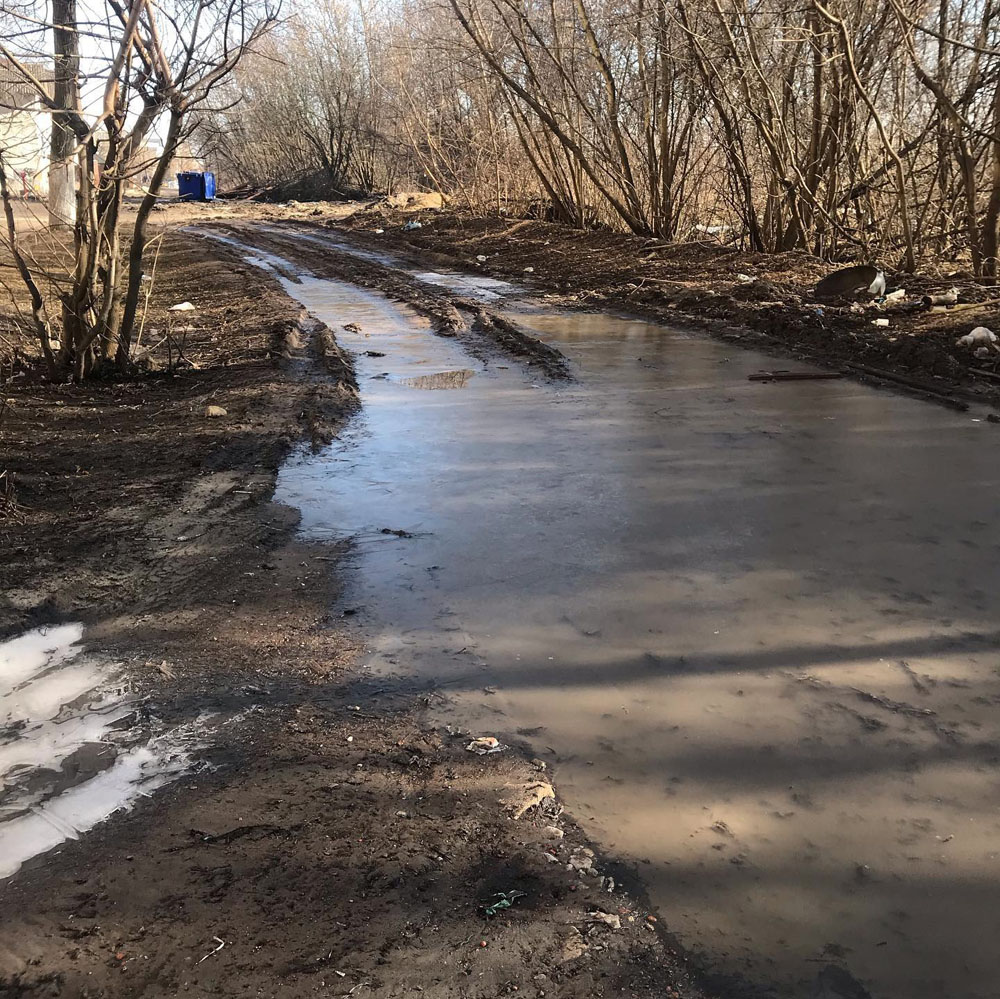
(329,842)
(761,300)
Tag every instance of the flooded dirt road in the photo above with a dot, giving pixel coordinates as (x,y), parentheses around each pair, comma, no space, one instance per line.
(754,625)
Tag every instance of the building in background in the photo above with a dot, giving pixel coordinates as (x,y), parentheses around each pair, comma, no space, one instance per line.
(24,132)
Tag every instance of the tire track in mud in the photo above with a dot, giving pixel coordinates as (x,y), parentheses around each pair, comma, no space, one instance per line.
(482,331)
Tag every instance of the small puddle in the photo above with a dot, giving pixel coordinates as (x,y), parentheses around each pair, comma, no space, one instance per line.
(73,750)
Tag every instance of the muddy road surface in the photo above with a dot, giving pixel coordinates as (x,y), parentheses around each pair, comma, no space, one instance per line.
(754,624)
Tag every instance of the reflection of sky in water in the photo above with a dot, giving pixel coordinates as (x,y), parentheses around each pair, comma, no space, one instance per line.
(59,705)
(439,380)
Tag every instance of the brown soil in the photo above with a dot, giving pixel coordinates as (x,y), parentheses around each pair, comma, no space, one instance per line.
(131,509)
(335,867)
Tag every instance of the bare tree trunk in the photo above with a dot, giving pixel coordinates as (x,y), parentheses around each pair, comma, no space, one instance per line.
(138,246)
(66,93)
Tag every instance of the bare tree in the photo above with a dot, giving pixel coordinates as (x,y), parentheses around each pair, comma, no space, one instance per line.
(846,128)
(151,66)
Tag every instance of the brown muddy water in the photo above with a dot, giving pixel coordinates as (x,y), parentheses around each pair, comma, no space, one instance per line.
(754,626)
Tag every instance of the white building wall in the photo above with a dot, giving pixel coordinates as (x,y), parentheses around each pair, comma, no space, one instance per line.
(24,141)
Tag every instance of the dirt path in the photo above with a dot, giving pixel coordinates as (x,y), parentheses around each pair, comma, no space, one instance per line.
(318,833)
(751,622)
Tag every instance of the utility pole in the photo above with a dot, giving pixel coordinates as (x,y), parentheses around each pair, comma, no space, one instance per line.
(66,94)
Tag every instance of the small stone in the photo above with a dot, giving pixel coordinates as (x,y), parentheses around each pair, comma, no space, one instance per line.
(574,945)
(215,411)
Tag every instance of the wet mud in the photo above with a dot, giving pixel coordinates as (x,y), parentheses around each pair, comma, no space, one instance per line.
(753,623)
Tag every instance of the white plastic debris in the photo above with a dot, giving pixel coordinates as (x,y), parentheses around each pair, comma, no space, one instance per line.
(485,745)
(378,232)
(411,225)
(877,287)
(880,322)
(980,336)
(745,278)
(181,307)
(529,270)
(941,298)
(895,296)
(481,258)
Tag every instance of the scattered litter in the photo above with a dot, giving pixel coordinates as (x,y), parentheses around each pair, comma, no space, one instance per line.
(895,296)
(606,919)
(505,899)
(182,307)
(530,797)
(215,411)
(880,322)
(374,353)
(481,258)
(848,280)
(980,336)
(877,287)
(411,225)
(485,745)
(745,278)
(378,232)
(221,943)
(402,815)
(352,328)
(949,297)
(398,532)
(529,270)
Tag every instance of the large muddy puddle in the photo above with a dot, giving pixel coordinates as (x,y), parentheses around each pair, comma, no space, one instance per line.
(754,625)
(75,743)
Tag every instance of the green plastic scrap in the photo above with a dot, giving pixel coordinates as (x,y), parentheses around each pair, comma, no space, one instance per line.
(505,899)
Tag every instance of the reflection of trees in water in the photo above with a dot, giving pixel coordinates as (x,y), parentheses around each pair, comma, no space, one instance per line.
(440,380)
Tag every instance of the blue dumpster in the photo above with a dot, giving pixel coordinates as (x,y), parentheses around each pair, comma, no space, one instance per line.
(193,185)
